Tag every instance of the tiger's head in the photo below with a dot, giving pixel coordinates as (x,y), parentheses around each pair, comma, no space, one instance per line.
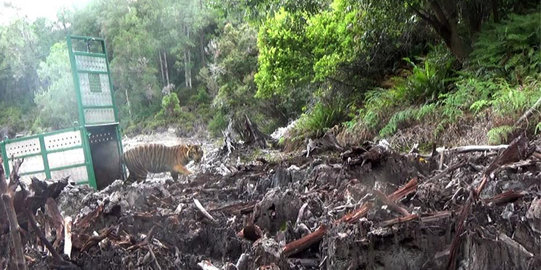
(195,153)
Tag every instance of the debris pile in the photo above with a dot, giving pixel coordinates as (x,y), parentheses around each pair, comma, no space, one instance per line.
(328,207)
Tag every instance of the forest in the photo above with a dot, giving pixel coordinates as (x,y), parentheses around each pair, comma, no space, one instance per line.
(272,134)
(371,68)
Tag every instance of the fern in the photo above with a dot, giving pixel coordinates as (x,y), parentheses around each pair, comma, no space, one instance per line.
(510,101)
(538,128)
(396,120)
(479,105)
(426,110)
(509,49)
(499,134)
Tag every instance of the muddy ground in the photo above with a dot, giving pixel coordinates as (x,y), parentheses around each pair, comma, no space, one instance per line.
(259,202)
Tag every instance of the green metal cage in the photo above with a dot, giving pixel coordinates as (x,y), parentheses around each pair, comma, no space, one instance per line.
(90,153)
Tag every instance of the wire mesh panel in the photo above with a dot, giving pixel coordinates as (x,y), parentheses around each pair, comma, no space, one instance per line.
(28,149)
(66,158)
(99,116)
(91,63)
(92,80)
(30,164)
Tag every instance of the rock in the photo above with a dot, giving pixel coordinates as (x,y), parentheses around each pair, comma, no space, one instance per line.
(281,178)
(277,207)
(534,215)
(243,261)
(268,253)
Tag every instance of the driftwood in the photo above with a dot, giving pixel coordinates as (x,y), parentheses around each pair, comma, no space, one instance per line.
(447,170)
(229,141)
(7,192)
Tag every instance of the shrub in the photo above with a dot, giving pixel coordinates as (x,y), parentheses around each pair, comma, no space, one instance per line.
(320,118)
(217,124)
(170,108)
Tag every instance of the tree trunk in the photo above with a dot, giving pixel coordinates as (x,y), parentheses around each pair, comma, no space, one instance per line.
(189,69)
(161,69)
(202,48)
(445,23)
(457,45)
(495,13)
(188,61)
(128,103)
(166,68)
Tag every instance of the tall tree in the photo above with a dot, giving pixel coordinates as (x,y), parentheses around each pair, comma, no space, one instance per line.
(56,98)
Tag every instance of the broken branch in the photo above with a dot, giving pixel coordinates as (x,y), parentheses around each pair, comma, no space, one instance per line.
(303,243)
(399,220)
(203,210)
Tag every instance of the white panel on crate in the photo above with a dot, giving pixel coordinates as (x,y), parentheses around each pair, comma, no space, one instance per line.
(66,158)
(99,116)
(21,148)
(77,174)
(62,140)
(30,164)
(90,98)
(90,63)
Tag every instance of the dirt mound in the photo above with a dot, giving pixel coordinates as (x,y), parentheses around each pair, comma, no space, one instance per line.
(360,208)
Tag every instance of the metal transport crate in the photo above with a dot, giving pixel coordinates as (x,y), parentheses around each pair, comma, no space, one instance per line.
(89,153)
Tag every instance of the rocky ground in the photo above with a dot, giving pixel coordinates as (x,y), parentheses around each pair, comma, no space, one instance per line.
(362,207)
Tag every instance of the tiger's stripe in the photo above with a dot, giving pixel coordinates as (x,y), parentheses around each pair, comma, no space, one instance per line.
(157,158)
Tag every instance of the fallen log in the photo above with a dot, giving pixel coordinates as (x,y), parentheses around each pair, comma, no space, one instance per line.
(391,204)
(505,197)
(398,220)
(95,239)
(471,148)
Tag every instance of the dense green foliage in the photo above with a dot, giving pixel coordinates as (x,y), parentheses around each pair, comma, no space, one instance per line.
(375,66)
(435,91)
(56,100)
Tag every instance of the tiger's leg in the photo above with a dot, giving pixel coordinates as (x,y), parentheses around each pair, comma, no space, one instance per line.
(181,169)
(136,175)
(174,175)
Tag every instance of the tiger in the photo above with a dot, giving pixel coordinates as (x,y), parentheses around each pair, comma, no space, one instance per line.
(157,158)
